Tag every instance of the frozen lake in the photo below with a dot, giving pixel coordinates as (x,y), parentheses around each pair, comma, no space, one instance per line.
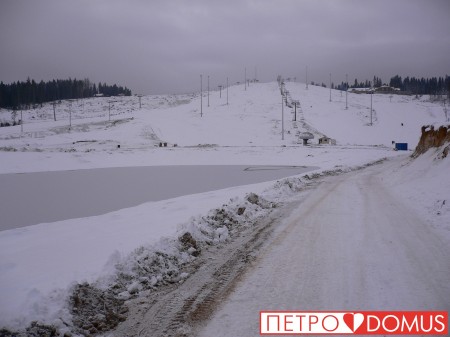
(32,198)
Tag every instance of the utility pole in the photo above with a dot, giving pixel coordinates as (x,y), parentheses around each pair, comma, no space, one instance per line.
(109,111)
(371,94)
(295,111)
(220,91)
(54,111)
(140,105)
(227,90)
(201,96)
(346,91)
(306,77)
(21,121)
(208,91)
(330,87)
(445,111)
(70,115)
(282,117)
(245,78)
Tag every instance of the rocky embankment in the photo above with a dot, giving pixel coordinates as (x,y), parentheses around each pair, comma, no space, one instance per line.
(434,138)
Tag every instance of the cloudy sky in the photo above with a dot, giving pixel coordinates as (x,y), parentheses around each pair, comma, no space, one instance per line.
(162,46)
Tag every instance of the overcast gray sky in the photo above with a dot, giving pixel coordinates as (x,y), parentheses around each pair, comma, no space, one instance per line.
(162,46)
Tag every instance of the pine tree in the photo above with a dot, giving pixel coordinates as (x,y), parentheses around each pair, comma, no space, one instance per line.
(396,82)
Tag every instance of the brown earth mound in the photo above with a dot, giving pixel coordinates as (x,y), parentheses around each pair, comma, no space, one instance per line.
(432,138)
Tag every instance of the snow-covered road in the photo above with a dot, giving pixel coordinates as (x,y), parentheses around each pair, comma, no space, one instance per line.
(350,245)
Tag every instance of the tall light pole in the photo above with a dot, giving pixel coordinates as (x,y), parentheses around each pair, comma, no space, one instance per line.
(330,87)
(109,111)
(208,91)
(54,111)
(227,90)
(446,112)
(306,77)
(201,95)
(282,117)
(371,94)
(346,91)
(295,111)
(245,78)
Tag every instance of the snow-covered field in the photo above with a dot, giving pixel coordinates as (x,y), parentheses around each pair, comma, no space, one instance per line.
(40,263)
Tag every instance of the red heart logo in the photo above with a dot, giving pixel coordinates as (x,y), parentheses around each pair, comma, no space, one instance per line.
(354,321)
(349,320)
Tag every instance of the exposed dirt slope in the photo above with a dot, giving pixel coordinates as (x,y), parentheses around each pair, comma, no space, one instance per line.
(433,138)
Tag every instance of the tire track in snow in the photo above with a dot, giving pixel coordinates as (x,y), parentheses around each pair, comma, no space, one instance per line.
(350,246)
(178,310)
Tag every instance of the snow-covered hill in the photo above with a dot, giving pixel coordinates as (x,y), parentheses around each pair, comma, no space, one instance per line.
(251,117)
(394,117)
(38,260)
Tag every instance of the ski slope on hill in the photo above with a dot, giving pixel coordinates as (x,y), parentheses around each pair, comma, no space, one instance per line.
(395,118)
(244,129)
(40,262)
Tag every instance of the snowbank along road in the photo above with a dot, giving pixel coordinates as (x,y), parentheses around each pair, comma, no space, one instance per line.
(347,244)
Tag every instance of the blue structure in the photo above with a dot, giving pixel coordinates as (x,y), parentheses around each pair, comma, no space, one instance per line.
(401,146)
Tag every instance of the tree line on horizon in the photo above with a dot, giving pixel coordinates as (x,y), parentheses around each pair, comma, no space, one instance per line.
(28,94)
(410,85)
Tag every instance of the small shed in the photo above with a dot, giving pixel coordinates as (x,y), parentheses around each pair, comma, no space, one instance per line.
(327,140)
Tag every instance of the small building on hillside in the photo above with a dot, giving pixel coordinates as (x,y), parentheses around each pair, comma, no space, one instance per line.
(361,90)
(327,140)
(385,89)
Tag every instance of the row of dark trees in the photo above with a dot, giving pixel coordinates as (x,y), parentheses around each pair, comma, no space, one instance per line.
(410,85)
(376,83)
(422,86)
(24,95)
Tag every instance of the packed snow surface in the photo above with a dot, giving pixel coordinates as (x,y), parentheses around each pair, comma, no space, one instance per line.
(369,240)
(38,263)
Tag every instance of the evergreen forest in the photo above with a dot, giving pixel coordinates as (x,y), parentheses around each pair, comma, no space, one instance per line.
(28,94)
